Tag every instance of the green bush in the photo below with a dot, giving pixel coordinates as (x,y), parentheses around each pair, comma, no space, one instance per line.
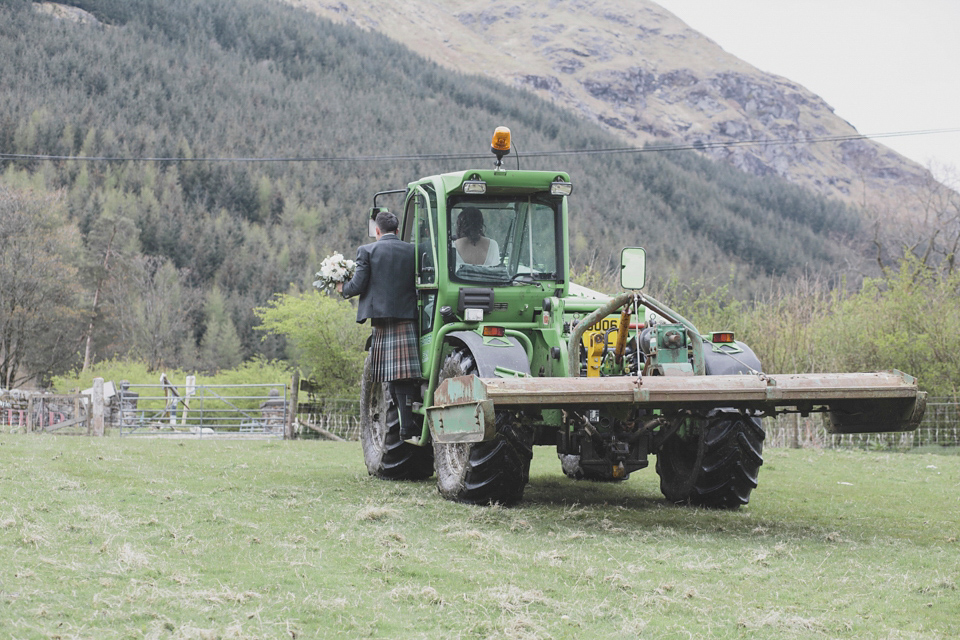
(136,372)
(907,321)
(323,336)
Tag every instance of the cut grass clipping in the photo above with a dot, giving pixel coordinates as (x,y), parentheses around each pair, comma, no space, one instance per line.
(115,538)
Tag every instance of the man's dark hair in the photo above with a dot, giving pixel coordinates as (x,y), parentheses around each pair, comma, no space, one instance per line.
(387,222)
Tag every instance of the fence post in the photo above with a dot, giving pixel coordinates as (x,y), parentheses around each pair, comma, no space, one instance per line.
(97,408)
(76,412)
(292,409)
(191,389)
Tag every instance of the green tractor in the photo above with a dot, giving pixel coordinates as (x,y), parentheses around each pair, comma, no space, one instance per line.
(515,355)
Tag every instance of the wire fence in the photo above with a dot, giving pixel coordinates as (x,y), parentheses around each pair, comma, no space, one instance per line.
(940,428)
(323,417)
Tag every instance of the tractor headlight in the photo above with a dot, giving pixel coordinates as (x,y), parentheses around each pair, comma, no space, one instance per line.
(560,188)
(474,187)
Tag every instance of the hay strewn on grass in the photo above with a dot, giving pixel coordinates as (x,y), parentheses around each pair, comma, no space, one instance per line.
(113,538)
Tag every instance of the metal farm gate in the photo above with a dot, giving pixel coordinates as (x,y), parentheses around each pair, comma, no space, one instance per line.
(201,410)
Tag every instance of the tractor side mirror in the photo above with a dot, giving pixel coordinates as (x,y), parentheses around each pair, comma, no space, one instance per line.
(633,268)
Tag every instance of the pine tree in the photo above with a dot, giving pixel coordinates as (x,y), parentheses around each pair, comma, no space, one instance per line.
(220,346)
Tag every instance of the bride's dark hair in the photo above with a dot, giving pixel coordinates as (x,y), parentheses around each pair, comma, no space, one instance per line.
(470,224)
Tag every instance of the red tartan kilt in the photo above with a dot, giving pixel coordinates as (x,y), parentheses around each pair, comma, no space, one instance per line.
(393,351)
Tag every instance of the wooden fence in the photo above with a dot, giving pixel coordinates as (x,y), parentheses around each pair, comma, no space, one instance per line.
(23,412)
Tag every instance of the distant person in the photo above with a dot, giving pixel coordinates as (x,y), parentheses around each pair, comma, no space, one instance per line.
(385,281)
(472,246)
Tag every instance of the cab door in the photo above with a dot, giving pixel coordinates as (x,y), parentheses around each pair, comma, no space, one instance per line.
(422,210)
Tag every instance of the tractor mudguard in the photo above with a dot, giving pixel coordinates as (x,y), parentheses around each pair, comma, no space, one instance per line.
(729,360)
(491,352)
(456,417)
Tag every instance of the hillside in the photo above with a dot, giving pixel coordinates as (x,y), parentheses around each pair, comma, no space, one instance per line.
(643,75)
(184,244)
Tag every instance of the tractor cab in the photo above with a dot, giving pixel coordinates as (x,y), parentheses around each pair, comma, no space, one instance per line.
(497,240)
(489,241)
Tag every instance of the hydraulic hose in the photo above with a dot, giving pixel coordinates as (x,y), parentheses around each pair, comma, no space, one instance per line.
(573,346)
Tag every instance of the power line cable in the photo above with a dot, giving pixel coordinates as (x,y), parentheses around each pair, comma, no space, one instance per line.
(692,146)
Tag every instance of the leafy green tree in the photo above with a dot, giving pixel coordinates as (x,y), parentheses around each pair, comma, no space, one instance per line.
(39,286)
(138,372)
(905,320)
(111,243)
(155,304)
(323,335)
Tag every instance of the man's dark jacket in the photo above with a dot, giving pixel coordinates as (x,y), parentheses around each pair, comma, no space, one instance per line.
(385,280)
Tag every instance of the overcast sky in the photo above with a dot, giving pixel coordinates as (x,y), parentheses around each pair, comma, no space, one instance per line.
(883,65)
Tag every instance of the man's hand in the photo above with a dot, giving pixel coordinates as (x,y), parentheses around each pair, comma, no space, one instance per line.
(339,287)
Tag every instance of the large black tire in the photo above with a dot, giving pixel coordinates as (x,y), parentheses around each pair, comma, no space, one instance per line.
(385,454)
(483,472)
(717,465)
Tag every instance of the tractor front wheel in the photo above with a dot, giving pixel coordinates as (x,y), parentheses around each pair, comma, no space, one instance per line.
(715,465)
(385,454)
(483,472)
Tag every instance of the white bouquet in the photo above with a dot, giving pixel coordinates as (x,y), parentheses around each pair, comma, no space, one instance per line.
(334,270)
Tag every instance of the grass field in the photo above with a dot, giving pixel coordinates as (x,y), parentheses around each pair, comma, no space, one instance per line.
(124,538)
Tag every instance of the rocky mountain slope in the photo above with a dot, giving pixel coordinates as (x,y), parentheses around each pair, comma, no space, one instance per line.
(646,76)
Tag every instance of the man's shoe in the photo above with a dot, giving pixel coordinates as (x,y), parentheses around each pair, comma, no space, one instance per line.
(411,436)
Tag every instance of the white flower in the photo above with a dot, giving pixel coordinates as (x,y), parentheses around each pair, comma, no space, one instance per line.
(333,270)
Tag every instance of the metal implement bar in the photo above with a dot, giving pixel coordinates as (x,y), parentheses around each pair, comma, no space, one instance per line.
(743,391)
(857,402)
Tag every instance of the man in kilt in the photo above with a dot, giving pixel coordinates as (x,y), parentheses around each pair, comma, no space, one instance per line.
(385,280)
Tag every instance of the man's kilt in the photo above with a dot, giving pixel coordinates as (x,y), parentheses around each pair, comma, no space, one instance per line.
(393,350)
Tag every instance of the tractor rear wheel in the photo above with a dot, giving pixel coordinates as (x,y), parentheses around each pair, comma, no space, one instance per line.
(385,454)
(483,472)
(716,466)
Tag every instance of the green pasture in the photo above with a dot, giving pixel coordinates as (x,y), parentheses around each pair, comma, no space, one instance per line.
(163,538)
